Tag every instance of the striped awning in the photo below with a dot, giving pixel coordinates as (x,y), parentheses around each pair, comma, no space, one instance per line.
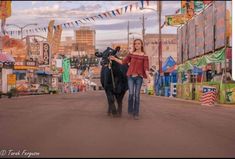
(4,57)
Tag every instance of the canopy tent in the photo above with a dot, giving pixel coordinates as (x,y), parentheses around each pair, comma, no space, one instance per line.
(168,63)
(216,57)
(39,72)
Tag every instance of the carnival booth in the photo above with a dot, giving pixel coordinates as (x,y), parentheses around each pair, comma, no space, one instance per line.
(7,79)
(206,71)
(163,82)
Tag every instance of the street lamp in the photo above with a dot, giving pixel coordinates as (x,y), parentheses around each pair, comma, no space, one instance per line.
(160,34)
(21,28)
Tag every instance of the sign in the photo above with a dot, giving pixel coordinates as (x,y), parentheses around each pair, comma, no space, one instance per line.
(220,20)
(11,79)
(199,22)
(179,46)
(5,9)
(191,39)
(178,19)
(209,95)
(209,29)
(184,43)
(30,63)
(35,48)
(45,54)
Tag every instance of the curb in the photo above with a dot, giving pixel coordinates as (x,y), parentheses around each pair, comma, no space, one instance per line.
(195,102)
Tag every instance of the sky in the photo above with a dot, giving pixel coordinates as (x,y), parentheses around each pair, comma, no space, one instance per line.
(108,30)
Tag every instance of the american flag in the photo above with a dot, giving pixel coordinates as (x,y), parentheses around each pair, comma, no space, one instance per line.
(209,96)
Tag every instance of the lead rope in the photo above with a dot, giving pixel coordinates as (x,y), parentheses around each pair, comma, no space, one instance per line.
(110,63)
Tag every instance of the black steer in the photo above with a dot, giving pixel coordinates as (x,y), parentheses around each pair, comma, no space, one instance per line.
(114,80)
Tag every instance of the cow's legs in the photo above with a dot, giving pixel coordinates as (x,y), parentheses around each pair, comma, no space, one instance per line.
(119,98)
(111,107)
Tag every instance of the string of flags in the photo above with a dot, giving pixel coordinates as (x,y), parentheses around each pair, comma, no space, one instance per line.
(100,16)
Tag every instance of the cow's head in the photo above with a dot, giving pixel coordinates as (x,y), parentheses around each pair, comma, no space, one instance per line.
(104,55)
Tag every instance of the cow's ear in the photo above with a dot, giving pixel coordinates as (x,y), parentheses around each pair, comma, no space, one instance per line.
(98,54)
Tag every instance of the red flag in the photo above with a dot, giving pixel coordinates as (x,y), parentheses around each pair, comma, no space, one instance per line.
(105,15)
(147,2)
(118,11)
(130,7)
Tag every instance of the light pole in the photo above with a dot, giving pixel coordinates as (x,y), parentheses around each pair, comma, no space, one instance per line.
(160,33)
(21,28)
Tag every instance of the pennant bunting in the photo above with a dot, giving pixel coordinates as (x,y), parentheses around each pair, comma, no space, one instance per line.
(130,7)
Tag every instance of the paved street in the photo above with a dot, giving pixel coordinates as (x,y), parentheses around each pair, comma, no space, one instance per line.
(76,125)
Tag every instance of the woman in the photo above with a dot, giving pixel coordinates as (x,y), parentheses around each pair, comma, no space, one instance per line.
(138,69)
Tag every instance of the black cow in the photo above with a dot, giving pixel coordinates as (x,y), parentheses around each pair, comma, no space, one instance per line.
(114,80)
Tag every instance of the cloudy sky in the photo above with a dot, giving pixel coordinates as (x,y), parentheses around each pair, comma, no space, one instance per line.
(108,30)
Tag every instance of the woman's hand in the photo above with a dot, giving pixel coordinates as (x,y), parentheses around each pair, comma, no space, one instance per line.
(112,57)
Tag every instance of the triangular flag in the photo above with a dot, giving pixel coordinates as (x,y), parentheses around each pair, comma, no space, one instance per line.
(65,25)
(105,15)
(136,5)
(45,29)
(109,14)
(147,1)
(72,23)
(80,21)
(121,10)
(113,13)
(130,7)
(88,19)
(100,16)
(118,11)
(76,22)
(142,3)
(92,18)
(126,8)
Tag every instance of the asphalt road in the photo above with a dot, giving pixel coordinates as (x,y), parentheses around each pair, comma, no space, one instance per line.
(76,125)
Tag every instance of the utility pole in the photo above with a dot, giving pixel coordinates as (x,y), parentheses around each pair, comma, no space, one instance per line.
(159,7)
(143,29)
(128,32)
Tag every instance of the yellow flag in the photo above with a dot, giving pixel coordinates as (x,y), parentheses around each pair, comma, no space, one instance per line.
(5,9)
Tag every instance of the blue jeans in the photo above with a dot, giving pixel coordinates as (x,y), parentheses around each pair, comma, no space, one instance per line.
(134,84)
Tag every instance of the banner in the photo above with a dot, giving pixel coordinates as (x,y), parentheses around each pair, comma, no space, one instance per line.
(50,33)
(199,22)
(191,39)
(5,9)
(184,43)
(56,40)
(179,46)
(198,5)
(66,68)
(45,54)
(172,20)
(220,17)
(209,29)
